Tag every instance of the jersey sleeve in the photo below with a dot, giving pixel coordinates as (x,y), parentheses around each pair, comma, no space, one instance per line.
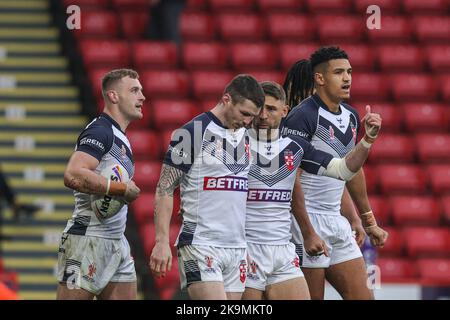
(186,143)
(95,141)
(300,122)
(314,161)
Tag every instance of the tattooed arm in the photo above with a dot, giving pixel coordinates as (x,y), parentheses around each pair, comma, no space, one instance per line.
(80,176)
(161,257)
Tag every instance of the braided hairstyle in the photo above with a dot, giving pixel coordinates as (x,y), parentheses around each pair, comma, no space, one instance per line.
(299,83)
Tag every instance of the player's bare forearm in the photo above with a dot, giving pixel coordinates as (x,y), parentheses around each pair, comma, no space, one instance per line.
(85,181)
(169,180)
(348,209)
(356,158)
(80,175)
(298,207)
(358,191)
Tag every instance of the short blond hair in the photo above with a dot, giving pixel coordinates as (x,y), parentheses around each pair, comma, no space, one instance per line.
(114,75)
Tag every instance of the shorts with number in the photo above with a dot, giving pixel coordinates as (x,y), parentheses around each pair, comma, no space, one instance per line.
(90,263)
(336,231)
(198,263)
(270,264)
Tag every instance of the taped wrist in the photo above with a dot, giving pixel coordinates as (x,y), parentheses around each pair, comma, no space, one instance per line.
(116,188)
(368,220)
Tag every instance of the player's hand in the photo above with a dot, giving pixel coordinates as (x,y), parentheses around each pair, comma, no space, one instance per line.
(377,236)
(372,123)
(160,259)
(314,245)
(132,192)
(360,234)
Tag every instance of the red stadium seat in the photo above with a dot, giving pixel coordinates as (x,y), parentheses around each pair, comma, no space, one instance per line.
(134,24)
(165,84)
(361,56)
(98,24)
(279,5)
(438,57)
(381,209)
(397,270)
(392,148)
(253,55)
(440,178)
(108,53)
(434,271)
(88,4)
(210,85)
(146,175)
(371,178)
(143,208)
(433,147)
(290,52)
(197,26)
(432,28)
(414,87)
(369,86)
(446,207)
(205,55)
(318,6)
(173,113)
(427,241)
(207,105)
(400,58)
(95,77)
(231,5)
(395,245)
(145,144)
(386,6)
(394,29)
(399,178)
(425,117)
(390,113)
(196,5)
(430,6)
(154,54)
(340,28)
(415,210)
(278,77)
(138,5)
(291,26)
(445,87)
(241,27)
(166,138)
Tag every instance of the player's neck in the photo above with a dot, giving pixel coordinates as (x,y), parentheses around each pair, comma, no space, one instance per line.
(332,105)
(219,112)
(118,117)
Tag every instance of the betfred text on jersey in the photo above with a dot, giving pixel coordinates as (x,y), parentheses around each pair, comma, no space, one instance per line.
(229,183)
(269,195)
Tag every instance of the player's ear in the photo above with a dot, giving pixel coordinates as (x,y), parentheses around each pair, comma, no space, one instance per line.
(285,110)
(226,99)
(319,78)
(112,96)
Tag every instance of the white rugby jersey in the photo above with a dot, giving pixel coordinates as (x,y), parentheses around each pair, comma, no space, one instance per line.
(334,133)
(104,140)
(213,191)
(271,181)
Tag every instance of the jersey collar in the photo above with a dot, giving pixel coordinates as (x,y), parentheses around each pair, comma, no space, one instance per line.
(322,104)
(114,122)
